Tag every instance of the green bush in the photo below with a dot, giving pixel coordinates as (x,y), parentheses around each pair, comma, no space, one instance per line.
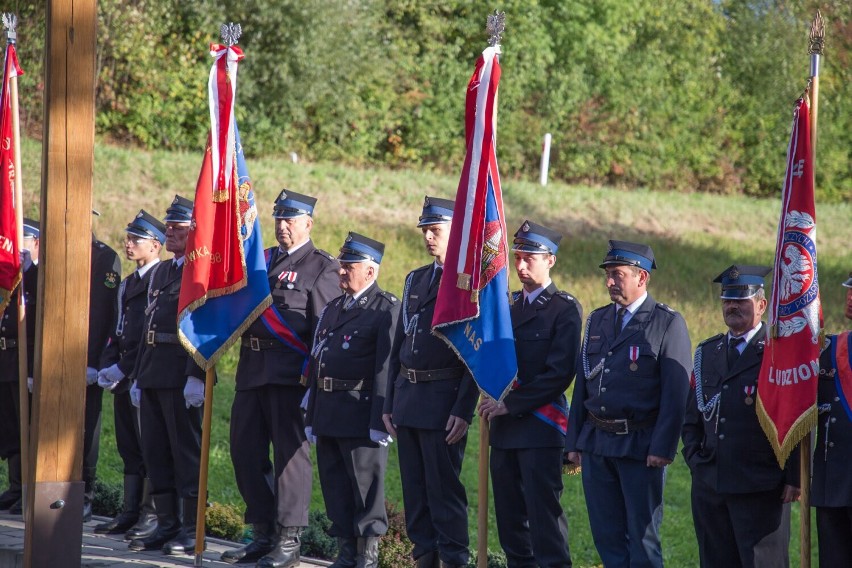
(225,521)
(315,540)
(495,560)
(108,500)
(395,548)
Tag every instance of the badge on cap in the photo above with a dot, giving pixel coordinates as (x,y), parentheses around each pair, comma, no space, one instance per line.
(525,227)
(734,274)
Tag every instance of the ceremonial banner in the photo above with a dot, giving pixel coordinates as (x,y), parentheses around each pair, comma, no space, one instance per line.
(787,385)
(10,260)
(472,309)
(224,286)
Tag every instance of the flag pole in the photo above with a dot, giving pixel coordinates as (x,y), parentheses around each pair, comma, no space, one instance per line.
(205,461)
(816,43)
(482,496)
(10,22)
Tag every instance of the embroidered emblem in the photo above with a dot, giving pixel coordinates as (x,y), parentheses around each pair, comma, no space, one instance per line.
(111,280)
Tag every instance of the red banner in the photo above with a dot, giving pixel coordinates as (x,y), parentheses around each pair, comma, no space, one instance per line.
(787,385)
(10,260)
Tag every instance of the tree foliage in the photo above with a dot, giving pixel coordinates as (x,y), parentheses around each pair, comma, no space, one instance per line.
(687,95)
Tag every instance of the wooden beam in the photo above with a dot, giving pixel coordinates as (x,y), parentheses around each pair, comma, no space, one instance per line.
(54,500)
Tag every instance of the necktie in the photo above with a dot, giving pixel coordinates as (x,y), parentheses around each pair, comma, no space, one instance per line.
(619,320)
(733,351)
(350,301)
(436,277)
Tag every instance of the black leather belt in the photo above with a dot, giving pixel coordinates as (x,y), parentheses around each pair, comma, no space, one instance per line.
(621,426)
(329,384)
(7,343)
(416,376)
(258,344)
(152,338)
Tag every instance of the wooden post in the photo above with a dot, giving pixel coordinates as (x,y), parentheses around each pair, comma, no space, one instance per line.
(55,498)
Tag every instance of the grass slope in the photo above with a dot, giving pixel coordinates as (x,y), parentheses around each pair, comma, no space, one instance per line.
(694,237)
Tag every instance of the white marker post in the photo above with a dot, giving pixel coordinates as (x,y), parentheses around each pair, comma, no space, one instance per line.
(545,159)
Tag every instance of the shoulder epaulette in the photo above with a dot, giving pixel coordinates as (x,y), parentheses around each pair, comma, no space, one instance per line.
(596,310)
(716,337)
(565,296)
(422,268)
(388,296)
(324,254)
(666,308)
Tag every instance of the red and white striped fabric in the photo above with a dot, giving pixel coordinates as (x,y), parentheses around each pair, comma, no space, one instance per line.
(222,88)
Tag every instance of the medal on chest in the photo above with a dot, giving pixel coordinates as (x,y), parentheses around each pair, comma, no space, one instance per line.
(346,339)
(287,279)
(634,357)
(749,395)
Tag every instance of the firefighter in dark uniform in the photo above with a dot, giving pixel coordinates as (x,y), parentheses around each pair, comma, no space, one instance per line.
(142,244)
(740,497)
(627,409)
(528,426)
(172,393)
(831,483)
(103,303)
(350,370)
(303,279)
(10,409)
(428,408)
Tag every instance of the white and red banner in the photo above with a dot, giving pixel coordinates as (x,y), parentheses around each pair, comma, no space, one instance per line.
(10,260)
(787,385)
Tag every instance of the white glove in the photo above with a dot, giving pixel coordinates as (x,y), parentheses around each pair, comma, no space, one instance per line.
(30,384)
(304,404)
(193,392)
(309,434)
(26,260)
(91,376)
(135,395)
(110,377)
(381,438)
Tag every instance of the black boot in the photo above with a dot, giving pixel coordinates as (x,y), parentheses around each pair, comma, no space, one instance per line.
(347,550)
(13,494)
(130,512)
(262,543)
(285,551)
(368,552)
(147,523)
(168,524)
(184,542)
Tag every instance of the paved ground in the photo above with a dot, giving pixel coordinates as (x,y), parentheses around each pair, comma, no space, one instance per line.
(106,551)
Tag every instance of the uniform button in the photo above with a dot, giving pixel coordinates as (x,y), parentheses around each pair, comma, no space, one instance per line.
(608,353)
(833,419)
(153,325)
(725,387)
(603,389)
(721,436)
(419,330)
(831,444)
(422,310)
(331,334)
(606,370)
(722,420)
(603,408)
(322,365)
(325,349)
(836,399)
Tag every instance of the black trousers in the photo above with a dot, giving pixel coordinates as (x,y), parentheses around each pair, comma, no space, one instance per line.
(92,434)
(751,530)
(352,476)
(271,415)
(127,434)
(531,524)
(171,442)
(434,496)
(10,419)
(834,530)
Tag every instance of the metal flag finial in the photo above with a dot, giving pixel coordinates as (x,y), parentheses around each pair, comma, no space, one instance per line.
(495,27)
(10,22)
(816,40)
(231,33)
